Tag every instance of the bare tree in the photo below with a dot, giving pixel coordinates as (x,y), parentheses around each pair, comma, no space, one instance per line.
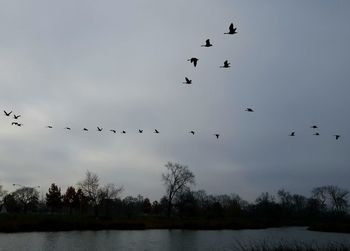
(90,188)
(176,180)
(2,195)
(109,192)
(27,197)
(332,196)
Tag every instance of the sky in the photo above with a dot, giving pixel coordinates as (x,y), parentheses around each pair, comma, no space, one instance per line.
(120,65)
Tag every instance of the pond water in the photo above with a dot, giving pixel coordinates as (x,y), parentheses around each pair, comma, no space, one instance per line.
(166,239)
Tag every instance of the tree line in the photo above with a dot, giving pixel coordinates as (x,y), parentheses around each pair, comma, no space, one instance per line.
(89,197)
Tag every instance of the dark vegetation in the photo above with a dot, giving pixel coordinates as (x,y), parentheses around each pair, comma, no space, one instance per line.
(89,205)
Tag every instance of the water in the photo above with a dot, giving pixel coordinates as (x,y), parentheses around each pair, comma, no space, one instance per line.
(163,239)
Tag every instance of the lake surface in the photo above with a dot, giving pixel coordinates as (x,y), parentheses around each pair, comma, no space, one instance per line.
(164,239)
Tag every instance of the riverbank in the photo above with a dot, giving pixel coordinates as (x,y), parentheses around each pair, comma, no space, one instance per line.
(35,222)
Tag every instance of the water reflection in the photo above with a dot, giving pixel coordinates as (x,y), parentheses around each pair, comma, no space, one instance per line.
(164,239)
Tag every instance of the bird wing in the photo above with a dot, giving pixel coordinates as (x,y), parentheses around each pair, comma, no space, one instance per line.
(187,80)
(231,27)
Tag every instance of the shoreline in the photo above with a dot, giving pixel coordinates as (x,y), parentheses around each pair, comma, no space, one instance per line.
(55,223)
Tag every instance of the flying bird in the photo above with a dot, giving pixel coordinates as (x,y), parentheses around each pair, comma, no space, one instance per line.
(314,126)
(192,132)
(19,124)
(207,43)
(226,65)
(316,134)
(124,132)
(156,131)
(16,116)
(99,129)
(337,136)
(232,30)
(292,134)
(194,61)
(249,110)
(14,123)
(217,135)
(85,129)
(68,128)
(49,126)
(188,81)
(140,131)
(7,113)
(114,131)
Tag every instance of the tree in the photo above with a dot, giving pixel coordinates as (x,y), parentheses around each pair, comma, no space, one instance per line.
(332,196)
(3,193)
(27,198)
(54,198)
(90,189)
(107,195)
(176,180)
(70,199)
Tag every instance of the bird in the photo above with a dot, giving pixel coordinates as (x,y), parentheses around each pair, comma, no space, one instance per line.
(194,61)
(14,123)
(232,30)
(48,126)
(140,131)
(337,136)
(249,110)
(188,81)
(7,113)
(217,135)
(226,64)
(192,132)
(114,131)
(156,131)
(123,131)
(207,43)
(99,129)
(314,126)
(68,128)
(19,124)
(292,134)
(85,129)
(316,134)
(16,116)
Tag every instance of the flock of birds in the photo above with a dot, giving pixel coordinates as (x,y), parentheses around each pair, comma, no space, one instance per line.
(193,60)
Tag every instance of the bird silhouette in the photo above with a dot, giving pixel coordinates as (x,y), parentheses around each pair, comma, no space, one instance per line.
(188,81)
(217,135)
(314,126)
(156,131)
(7,113)
(140,131)
(249,110)
(207,43)
(49,126)
(316,134)
(292,134)
(232,30)
(19,124)
(192,132)
(337,136)
(114,131)
(67,128)
(85,129)
(16,116)
(194,61)
(14,123)
(99,129)
(123,132)
(226,65)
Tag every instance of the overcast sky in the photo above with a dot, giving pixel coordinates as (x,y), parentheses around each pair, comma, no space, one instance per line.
(120,65)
